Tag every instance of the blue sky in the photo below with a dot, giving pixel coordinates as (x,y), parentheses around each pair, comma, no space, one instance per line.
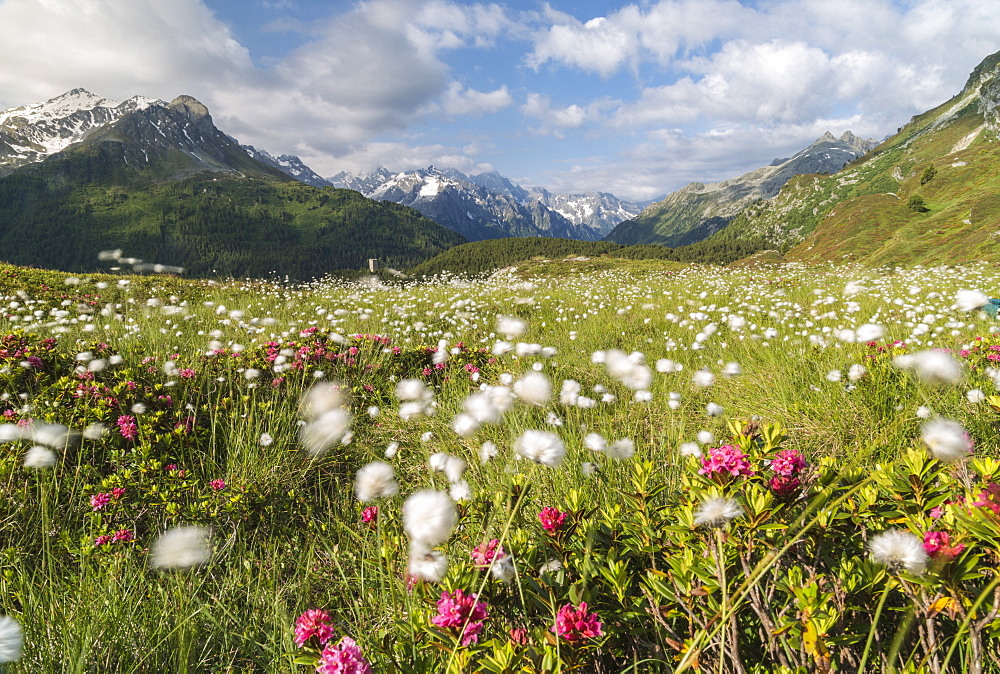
(635,98)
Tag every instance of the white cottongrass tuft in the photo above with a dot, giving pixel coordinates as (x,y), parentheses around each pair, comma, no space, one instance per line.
(426,564)
(11,639)
(857,372)
(970,300)
(716,512)
(666,366)
(464,425)
(629,369)
(924,412)
(732,369)
(39,457)
(541,447)
(452,466)
(570,392)
(869,332)
(621,449)
(946,440)
(975,396)
(533,387)
(503,568)
(329,429)
(834,376)
(703,378)
(320,399)
(182,547)
(933,367)
(391,449)
(376,480)
(428,517)
(460,491)
(266,440)
(705,437)
(487,451)
(511,326)
(690,449)
(714,409)
(899,550)
(595,442)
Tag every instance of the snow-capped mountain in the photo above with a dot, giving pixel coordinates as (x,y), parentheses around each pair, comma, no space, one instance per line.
(30,133)
(488,205)
(290,165)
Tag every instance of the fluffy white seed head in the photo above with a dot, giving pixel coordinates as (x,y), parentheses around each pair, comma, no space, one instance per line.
(376,480)
(487,451)
(946,440)
(511,326)
(541,447)
(503,568)
(717,512)
(426,564)
(11,639)
(39,457)
(899,550)
(621,449)
(703,378)
(933,367)
(870,332)
(970,300)
(595,442)
(690,449)
(428,517)
(534,388)
(182,547)
(330,429)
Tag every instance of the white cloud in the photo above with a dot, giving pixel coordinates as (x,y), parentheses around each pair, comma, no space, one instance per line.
(405,157)
(462,101)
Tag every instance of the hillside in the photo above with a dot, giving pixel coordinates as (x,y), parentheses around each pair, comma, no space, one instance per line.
(928,195)
(163,184)
(699,210)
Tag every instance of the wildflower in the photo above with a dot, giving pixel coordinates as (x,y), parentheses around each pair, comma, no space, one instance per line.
(783,485)
(99,501)
(725,459)
(502,568)
(329,429)
(716,512)
(595,442)
(11,639)
(703,378)
(869,332)
(429,516)
(989,498)
(510,326)
(375,480)
(573,623)
(938,545)
(970,300)
(461,613)
(128,427)
(39,457)
(621,449)
(788,463)
(534,388)
(552,519)
(933,367)
(900,551)
(123,535)
(484,554)
(519,636)
(629,369)
(217,484)
(705,437)
(946,440)
(487,451)
(426,564)
(541,447)
(690,449)
(266,440)
(345,658)
(313,624)
(102,540)
(975,396)
(182,547)
(856,372)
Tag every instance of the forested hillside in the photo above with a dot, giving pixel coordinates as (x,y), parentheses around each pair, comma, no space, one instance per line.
(62,212)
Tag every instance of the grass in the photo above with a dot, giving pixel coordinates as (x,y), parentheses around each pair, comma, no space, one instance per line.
(286,529)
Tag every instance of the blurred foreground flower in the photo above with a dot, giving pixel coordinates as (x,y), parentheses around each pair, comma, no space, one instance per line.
(900,551)
(716,512)
(11,639)
(182,547)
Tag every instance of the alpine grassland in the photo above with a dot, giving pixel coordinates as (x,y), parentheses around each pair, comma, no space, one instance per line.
(589,464)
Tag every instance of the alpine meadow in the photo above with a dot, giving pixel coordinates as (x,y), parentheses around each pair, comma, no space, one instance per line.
(429,421)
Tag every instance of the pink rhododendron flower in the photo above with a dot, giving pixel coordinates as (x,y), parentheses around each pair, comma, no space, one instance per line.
(124,535)
(127,427)
(314,623)
(345,658)
(483,555)
(989,498)
(726,459)
(98,501)
(118,492)
(575,624)
(784,486)
(186,373)
(369,514)
(102,540)
(937,545)
(460,611)
(552,519)
(788,463)
(218,484)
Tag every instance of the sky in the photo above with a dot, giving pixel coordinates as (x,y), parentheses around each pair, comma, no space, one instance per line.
(633,98)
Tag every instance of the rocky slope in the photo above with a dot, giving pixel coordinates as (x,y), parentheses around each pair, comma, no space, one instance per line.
(698,210)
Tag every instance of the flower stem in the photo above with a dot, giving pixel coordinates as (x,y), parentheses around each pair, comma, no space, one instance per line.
(871,632)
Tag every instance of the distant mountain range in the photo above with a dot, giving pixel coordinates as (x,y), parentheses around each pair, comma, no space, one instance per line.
(490,206)
(160,181)
(699,210)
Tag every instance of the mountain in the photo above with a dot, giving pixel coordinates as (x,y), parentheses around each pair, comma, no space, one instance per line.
(490,206)
(290,165)
(698,210)
(161,182)
(30,133)
(930,194)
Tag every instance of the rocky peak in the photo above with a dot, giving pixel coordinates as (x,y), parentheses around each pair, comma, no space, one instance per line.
(194,110)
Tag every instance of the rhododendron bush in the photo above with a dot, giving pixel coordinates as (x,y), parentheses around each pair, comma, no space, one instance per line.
(645,468)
